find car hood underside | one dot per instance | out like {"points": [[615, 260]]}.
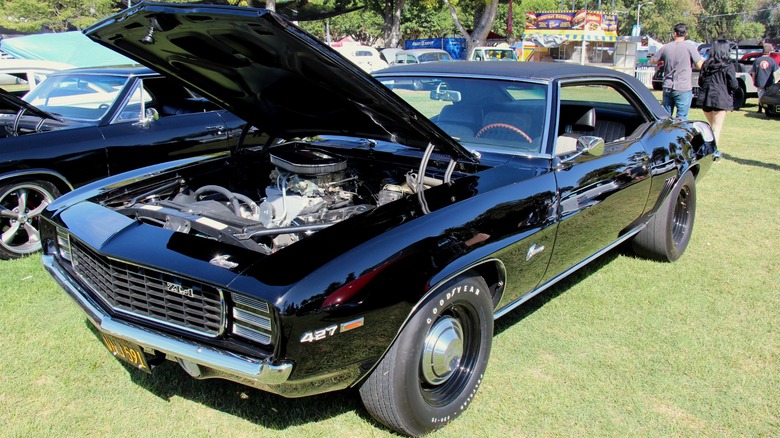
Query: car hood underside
{"points": [[267, 71]]}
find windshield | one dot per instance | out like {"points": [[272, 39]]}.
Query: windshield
{"points": [[77, 96], [503, 116], [499, 54], [434, 56]]}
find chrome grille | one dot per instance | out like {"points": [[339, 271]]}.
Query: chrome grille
{"points": [[147, 293], [252, 319]]}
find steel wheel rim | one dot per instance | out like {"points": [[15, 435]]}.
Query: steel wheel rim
{"points": [[445, 371], [681, 216], [20, 209]]}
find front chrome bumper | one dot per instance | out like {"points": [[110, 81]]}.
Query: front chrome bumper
{"points": [[200, 361]]}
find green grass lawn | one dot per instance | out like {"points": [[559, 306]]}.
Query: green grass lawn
{"points": [[627, 347]]}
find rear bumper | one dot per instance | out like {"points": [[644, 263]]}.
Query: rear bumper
{"points": [[199, 360]]}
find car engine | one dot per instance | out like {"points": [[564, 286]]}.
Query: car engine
{"points": [[308, 189]]}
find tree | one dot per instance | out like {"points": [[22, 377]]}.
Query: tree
{"points": [[363, 25], [33, 16], [390, 11], [421, 19], [483, 15]]}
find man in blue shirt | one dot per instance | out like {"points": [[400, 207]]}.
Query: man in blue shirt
{"points": [[679, 59], [763, 71]]}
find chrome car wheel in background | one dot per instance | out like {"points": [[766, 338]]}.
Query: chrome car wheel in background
{"points": [[20, 207]]}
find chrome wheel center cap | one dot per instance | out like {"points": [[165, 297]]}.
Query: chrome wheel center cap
{"points": [[442, 351]]}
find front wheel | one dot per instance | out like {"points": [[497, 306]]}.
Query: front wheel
{"points": [[21, 204], [433, 370], [669, 231]]}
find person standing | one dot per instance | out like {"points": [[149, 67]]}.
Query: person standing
{"points": [[763, 71], [679, 58], [717, 83]]}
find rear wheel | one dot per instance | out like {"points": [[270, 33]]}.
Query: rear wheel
{"points": [[739, 98], [669, 231], [433, 370], [21, 204]]}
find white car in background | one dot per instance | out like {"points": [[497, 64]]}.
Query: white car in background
{"points": [[421, 56], [364, 57], [18, 76], [492, 54]]}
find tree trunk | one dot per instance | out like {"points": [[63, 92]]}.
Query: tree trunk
{"points": [[391, 29], [483, 22]]}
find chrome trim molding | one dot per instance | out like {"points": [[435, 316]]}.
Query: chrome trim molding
{"points": [[224, 364]]}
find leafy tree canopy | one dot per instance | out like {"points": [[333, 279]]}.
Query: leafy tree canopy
{"points": [[33, 16]]}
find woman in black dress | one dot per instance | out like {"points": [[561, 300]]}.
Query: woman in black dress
{"points": [[717, 82]]}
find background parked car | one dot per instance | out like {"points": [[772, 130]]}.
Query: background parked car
{"points": [[746, 61], [420, 56], [492, 54], [81, 125], [19, 76], [364, 57]]}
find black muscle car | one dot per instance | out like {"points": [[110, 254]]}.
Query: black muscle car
{"points": [[81, 125], [374, 237]]}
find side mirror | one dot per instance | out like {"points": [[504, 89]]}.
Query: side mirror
{"points": [[591, 145], [150, 115], [586, 145]]}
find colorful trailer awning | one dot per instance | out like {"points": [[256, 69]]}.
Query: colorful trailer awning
{"points": [[572, 25]]}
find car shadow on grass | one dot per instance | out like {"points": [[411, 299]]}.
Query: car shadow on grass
{"points": [[275, 412], [537, 302], [271, 411]]}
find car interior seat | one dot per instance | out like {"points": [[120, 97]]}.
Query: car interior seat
{"points": [[575, 121], [459, 120]]}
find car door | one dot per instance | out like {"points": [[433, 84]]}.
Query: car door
{"points": [[602, 193], [159, 121]]}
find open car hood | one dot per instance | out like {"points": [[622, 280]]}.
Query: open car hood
{"points": [[10, 102], [267, 71]]}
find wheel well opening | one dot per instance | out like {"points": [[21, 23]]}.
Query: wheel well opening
{"points": [[493, 273], [61, 186]]}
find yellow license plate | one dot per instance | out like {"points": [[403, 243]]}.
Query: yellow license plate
{"points": [[126, 351]]}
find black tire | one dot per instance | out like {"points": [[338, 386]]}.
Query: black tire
{"points": [[669, 231], [658, 86], [21, 204], [417, 388], [739, 98]]}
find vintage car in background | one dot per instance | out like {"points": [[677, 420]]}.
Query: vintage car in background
{"points": [[373, 238], [421, 56], [81, 125], [364, 57], [19, 76]]}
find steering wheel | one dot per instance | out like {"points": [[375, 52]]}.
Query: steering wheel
{"points": [[512, 128]]}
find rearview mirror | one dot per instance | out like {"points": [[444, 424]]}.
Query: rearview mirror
{"points": [[446, 95]]}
